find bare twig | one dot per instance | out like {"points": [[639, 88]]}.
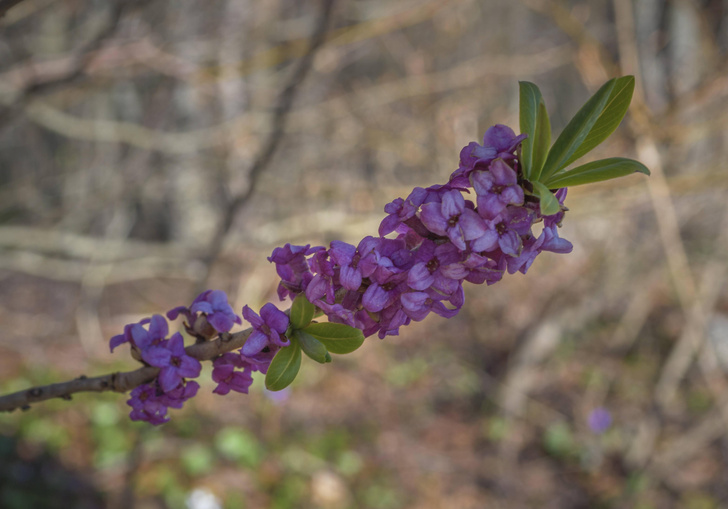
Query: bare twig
{"points": [[82, 58], [6, 5], [280, 117], [118, 382]]}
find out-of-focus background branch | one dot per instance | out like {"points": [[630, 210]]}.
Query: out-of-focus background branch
{"points": [[125, 128]]}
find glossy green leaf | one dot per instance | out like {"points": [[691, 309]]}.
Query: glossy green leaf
{"points": [[302, 312], [534, 121], [597, 171], [610, 118], [543, 141], [284, 367], [576, 131], [337, 337], [528, 102], [549, 203], [312, 347]]}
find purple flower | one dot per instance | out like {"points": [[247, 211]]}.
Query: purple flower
{"points": [[270, 327], [214, 306], [417, 305], [496, 189], [322, 285], [505, 231], [382, 259], [502, 138], [499, 142], [599, 420], [141, 338], [346, 257], [531, 247], [552, 242], [174, 361], [292, 268], [227, 377], [146, 405], [157, 331], [427, 271], [391, 319], [453, 219], [399, 210], [177, 396]]}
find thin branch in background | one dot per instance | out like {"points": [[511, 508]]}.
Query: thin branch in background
{"points": [[82, 58], [6, 5], [280, 119]]}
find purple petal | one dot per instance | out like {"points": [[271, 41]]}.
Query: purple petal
{"points": [[116, 341], [503, 174], [255, 343], [341, 252], [157, 356], [202, 307], [220, 321], [482, 182], [487, 242], [275, 318], [279, 339], [510, 243], [189, 367], [252, 317], [176, 344], [419, 277], [218, 299], [431, 216], [490, 205], [512, 195], [172, 314], [454, 271], [389, 224], [350, 278], [169, 379], [375, 298], [455, 234], [140, 336], [453, 204], [414, 301], [499, 136], [473, 226], [317, 288]]}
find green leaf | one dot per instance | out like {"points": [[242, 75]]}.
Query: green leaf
{"points": [[337, 337], [576, 131], [312, 346], [301, 312], [549, 203], [528, 102], [284, 367], [597, 171], [610, 118], [534, 121], [543, 140]]}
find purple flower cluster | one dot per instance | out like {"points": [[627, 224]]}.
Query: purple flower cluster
{"points": [[428, 245], [209, 314], [440, 240], [150, 401], [233, 371]]}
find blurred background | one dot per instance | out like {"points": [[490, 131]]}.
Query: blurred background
{"points": [[152, 148]]}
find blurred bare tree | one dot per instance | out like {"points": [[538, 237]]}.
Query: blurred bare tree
{"points": [[128, 131]]}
